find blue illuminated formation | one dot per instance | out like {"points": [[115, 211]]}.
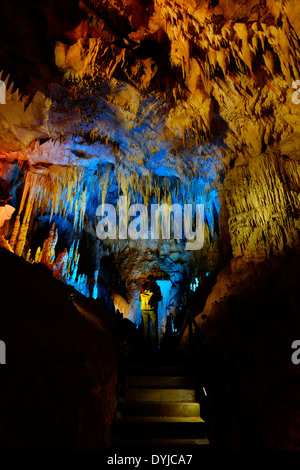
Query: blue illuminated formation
{"points": [[109, 157], [164, 305], [76, 192], [194, 285]]}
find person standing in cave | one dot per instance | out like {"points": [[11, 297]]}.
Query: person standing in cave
{"points": [[150, 295]]}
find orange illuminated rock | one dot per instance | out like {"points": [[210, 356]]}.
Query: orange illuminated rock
{"points": [[6, 212], [48, 252], [60, 265]]}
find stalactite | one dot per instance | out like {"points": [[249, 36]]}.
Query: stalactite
{"points": [[32, 182], [269, 206], [105, 186], [15, 232]]}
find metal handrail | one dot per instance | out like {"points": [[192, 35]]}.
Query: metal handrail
{"points": [[220, 395]]}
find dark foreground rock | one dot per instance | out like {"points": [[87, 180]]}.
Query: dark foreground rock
{"points": [[58, 385], [250, 320]]}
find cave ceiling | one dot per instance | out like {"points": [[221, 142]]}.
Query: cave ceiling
{"points": [[150, 80]]}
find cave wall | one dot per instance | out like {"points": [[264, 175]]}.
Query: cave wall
{"points": [[250, 321], [262, 199]]}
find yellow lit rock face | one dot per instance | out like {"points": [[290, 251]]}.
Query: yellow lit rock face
{"points": [[263, 203], [223, 64], [21, 125], [77, 60]]}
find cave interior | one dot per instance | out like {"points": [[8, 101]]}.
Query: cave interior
{"points": [[110, 110]]}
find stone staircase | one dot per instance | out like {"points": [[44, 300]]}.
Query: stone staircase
{"points": [[157, 405]]}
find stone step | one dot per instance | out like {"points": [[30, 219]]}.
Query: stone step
{"points": [[170, 445], [155, 357], [159, 395], [160, 427], [158, 359], [154, 369], [158, 381], [160, 419], [179, 409], [158, 407]]}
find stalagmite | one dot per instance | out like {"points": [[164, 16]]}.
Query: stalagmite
{"points": [[38, 255], [48, 251], [15, 232], [28, 255], [59, 267], [32, 183], [4, 244]]}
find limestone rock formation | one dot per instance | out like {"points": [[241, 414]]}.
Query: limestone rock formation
{"points": [[48, 251], [6, 212]]}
